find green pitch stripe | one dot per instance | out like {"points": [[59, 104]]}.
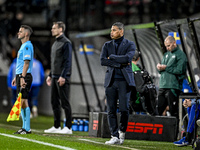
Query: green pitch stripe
{"points": [[107, 31], [39, 142]]}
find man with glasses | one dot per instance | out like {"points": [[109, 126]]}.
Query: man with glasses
{"points": [[59, 78], [172, 70]]}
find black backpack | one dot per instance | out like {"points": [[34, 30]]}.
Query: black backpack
{"points": [[147, 89]]}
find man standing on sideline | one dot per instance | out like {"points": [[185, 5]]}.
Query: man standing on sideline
{"points": [[117, 55], [23, 77], [59, 78], [173, 71]]}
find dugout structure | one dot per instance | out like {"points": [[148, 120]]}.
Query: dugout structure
{"points": [[87, 91]]}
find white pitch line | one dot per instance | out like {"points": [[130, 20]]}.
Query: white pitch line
{"points": [[39, 142], [109, 145]]}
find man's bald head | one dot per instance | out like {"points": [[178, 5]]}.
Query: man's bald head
{"points": [[170, 43], [170, 38]]}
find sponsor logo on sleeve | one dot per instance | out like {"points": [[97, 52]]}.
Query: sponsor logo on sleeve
{"points": [[27, 56]]}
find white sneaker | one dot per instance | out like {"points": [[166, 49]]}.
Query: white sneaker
{"points": [[52, 130], [65, 130], [121, 137], [35, 111], [113, 140]]}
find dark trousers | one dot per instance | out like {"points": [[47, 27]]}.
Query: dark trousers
{"points": [[167, 98], [118, 90], [60, 98]]}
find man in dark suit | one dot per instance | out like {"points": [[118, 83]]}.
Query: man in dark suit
{"points": [[117, 55]]}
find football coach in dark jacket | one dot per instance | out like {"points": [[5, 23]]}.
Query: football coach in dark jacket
{"points": [[117, 55]]}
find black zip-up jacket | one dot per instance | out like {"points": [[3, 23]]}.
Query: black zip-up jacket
{"points": [[61, 57]]}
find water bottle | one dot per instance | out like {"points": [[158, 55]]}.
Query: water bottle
{"points": [[64, 122], [86, 125], [75, 125], [80, 125]]}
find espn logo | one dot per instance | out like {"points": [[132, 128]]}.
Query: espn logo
{"points": [[95, 124], [144, 127]]}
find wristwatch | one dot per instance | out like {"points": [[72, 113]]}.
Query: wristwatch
{"points": [[20, 76]]}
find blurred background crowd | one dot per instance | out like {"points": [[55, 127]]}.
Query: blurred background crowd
{"points": [[84, 15]]}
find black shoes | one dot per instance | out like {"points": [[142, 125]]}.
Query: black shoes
{"points": [[23, 131]]}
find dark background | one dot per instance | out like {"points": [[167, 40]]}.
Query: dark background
{"points": [[79, 16]]}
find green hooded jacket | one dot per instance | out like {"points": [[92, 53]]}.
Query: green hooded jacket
{"points": [[135, 67], [173, 75]]}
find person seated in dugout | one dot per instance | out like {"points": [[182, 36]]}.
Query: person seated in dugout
{"points": [[135, 103], [143, 95], [190, 104]]}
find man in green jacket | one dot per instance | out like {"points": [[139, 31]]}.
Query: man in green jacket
{"points": [[172, 70]]}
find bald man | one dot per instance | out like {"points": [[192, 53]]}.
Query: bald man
{"points": [[172, 70]]}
